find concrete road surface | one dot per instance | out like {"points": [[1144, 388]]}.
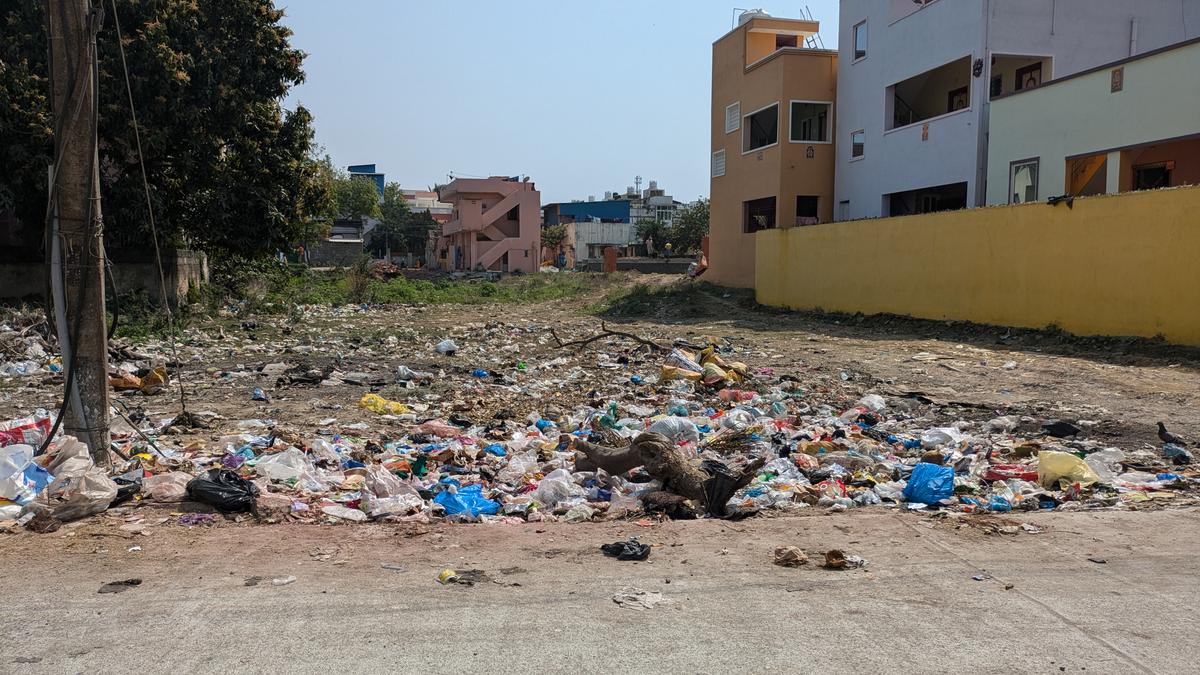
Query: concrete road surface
{"points": [[365, 597]]}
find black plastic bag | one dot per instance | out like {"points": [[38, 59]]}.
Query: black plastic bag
{"points": [[223, 489], [128, 485], [719, 488], [626, 550]]}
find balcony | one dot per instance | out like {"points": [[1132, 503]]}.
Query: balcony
{"points": [[935, 93]]}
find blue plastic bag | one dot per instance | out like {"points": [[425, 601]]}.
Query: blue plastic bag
{"points": [[468, 501], [929, 483], [495, 449]]}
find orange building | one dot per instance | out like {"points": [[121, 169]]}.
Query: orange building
{"points": [[773, 137]]}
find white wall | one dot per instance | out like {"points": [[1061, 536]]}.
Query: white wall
{"points": [[618, 234], [1077, 34], [1160, 100]]}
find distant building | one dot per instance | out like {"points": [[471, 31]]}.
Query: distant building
{"points": [[427, 200], [612, 221], [493, 225]]}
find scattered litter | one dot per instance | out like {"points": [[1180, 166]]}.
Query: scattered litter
{"points": [[635, 598], [790, 556], [626, 550], [836, 559], [1098, 561], [119, 586]]}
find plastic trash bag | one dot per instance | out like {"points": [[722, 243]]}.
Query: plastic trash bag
{"points": [[932, 438], [929, 484], [283, 466], [84, 495], [468, 501], [1106, 463], [1055, 466], [557, 487], [446, 347], [872, 402], [167, 487], [20, 478], [678, 429], [518, 466], [344, 512], [128, 485], [224, 490], [69, 457], [25, 430]]}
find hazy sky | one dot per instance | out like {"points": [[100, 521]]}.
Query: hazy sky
{"points": [[580, 95]]}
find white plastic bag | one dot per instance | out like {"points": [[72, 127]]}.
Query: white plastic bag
{"points": [[84, 495], [283, 466], [932, 438], [558, 487], [167, 487], [677, 429]]}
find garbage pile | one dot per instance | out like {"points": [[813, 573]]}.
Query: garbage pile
{"points": [[683, 430]]}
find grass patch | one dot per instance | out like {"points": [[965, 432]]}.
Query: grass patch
{"points": [[683, 299], [276, 289]]}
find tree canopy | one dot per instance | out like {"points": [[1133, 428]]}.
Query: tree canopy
{"points": [[400, 229], [685, 231], [229, 169]]}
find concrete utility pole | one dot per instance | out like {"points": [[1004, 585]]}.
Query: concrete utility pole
{"points": [[76, 208]]}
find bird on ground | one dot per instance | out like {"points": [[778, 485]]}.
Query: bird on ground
{"points": [[1168, 437], [1060, 429]]}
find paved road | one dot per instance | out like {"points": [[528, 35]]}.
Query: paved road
{"points": [[914, 609]]}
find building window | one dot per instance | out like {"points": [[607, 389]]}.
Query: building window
{"points": [[733, 117], [758, 214], [860, 41], [958, 99], [806, 210], [844, 209], [782, 41], [1029, 77], [1152, 176], [761, 128], [1023, 181], [718, 164], [810, 122], [858, 140]]}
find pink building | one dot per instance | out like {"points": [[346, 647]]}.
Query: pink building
{"points": [[495, 225]]}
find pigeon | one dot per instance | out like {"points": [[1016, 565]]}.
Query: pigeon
{"points": [[1060, 429], [1168, 437]]}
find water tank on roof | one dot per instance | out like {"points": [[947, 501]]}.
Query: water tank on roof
{"points": [[752, 14]]}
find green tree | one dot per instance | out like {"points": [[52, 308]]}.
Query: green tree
{"points": [[388, 234], [229, 169], [416, 231], [690, 226], [656, 230], [356, 197], [554, 235]]}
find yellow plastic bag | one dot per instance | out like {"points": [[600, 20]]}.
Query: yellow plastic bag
{"points": [[1055, 467], [713, 374], [674, 373], [380, 405]]}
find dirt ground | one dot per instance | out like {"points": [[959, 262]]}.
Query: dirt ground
{"points": [[1117, 388], [1095, 591]]}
